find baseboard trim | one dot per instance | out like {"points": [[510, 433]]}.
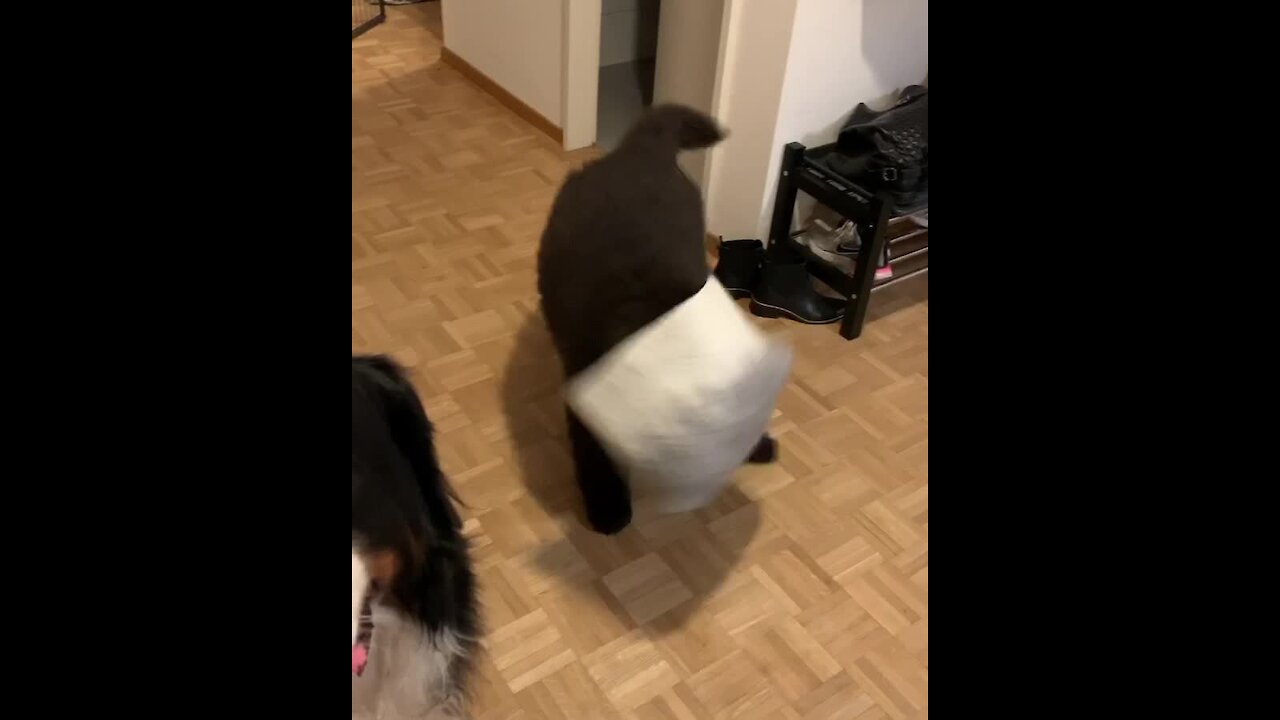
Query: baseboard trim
{"points": [[502, 95]]}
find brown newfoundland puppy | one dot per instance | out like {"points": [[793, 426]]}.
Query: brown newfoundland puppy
{"points": [[624, 245]]}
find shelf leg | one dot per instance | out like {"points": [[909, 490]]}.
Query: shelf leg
{"points": [[864, 274], [784, 203]]}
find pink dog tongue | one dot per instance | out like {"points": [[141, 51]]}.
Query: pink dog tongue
{"points": [[364, 636]]}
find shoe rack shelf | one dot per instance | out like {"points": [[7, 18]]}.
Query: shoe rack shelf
{"points": [[908, 245]]}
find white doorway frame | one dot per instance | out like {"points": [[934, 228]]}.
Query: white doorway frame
{"points": [[580, 72]]}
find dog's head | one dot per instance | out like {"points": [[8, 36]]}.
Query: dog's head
{"points": [[403, 525], [676, 127]]}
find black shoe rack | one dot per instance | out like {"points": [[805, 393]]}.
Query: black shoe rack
{"points": [[876, 223]]}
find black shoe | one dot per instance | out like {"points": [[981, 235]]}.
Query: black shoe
{"points": [[738, 268], [766, 452], [785, 290]]}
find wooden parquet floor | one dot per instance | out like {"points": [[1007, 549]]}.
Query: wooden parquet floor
{"points": [[802, 593]]}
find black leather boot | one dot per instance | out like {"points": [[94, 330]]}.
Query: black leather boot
{"points": [[785, 290], [738, 268]]}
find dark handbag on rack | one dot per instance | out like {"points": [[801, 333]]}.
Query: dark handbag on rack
{"points": [[889, 150]]}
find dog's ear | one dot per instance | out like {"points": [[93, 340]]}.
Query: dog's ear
{"points": [[411, 432]]}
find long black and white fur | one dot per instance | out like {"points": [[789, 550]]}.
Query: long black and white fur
{"points": [[408, 554]]}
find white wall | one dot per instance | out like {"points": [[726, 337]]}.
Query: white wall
{"points": [[628, 30], [580, 72], [883, 46], [517, 43], [789, 70], [687, 55], [754, 53]]}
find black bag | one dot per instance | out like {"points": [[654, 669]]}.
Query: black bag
{"points": [[889, 150]]}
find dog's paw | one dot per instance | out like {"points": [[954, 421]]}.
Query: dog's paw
{"points": [[609, 521], [766, 451]]}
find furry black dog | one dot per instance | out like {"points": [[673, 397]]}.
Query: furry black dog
{"points": [[410, 570], [623, 245]]}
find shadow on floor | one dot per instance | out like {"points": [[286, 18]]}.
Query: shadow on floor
{"points": [[662, 568]]}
